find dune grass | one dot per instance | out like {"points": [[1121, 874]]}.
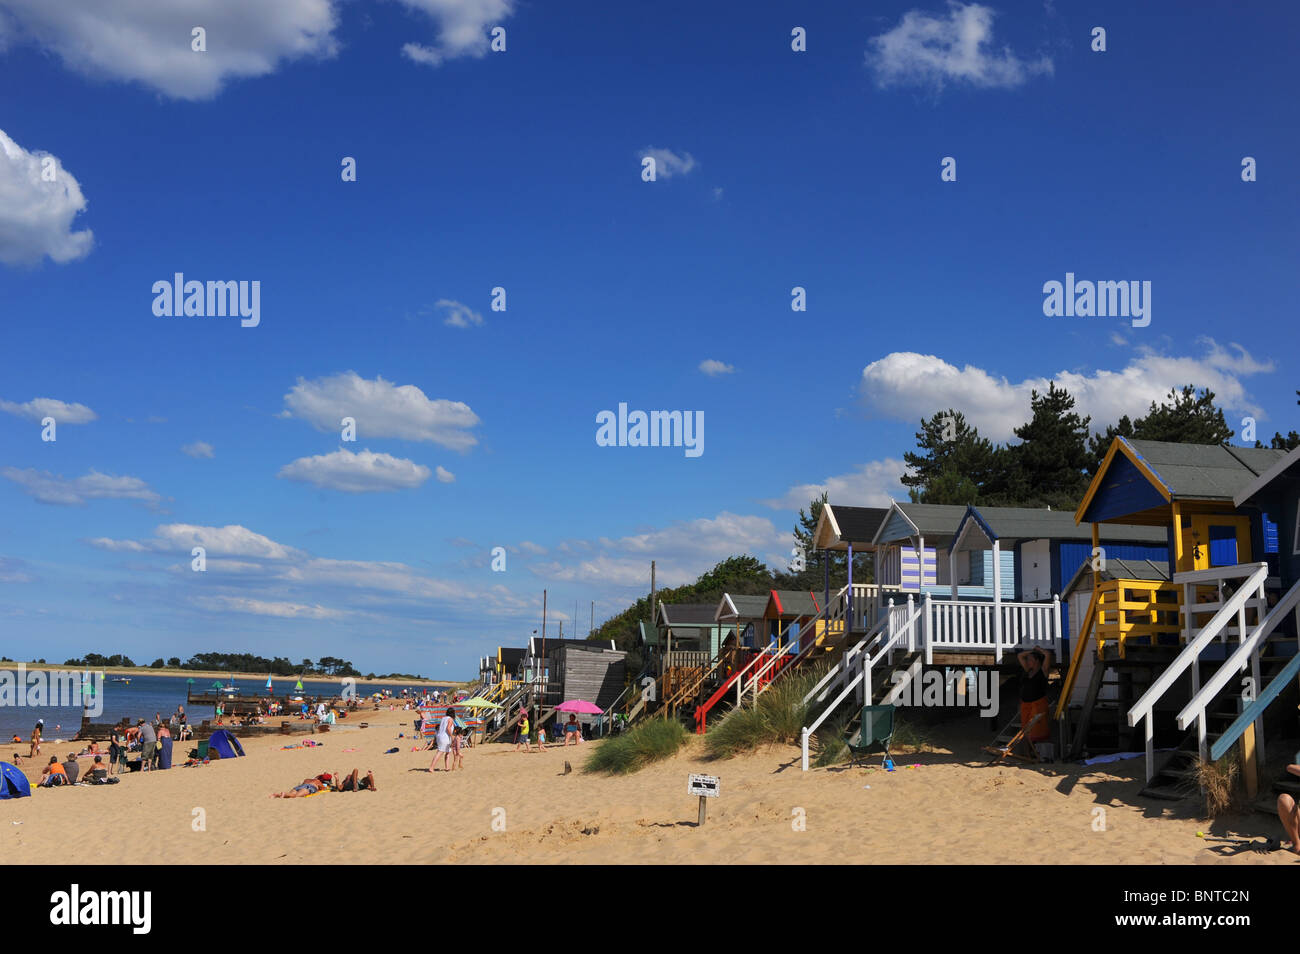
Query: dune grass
{"points": [[1218, 782], [778, 717], [642, 745]]}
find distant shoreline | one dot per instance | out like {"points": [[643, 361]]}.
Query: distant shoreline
{"points": [[226, 674]]}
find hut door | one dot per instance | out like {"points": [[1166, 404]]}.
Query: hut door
{"points": [[1214, 540]]}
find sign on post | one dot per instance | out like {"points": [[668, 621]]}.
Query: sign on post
{"points": [[705, 786]]}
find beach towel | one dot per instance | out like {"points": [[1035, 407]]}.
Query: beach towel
{"points": [[165, 753]]}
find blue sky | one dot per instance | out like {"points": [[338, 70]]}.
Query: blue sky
{"points": [[522, 169]]}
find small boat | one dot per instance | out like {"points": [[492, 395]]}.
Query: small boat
{"points": [[123, 679]]}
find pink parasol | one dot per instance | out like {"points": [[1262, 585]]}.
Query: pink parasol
{"points": [[579, 705]]}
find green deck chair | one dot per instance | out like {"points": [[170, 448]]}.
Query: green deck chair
{"points": [[873, 735]]}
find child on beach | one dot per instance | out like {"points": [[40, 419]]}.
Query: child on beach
{"points": [[457, 759], [521, 734]]}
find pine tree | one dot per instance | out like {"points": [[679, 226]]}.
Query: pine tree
{"points": [[954, 465], [1047, 466]]}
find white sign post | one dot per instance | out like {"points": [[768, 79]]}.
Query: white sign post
{"points": [[705, 786]]}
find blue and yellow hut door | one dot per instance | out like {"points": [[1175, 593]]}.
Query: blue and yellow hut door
{"points": [[1211, 540]]}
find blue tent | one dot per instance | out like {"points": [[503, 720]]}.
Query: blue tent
{"points": [[13, 783], [225, 744]]}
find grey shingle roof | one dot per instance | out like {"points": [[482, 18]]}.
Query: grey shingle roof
{"points": [[1121, 570], [1206, 471], [1027, 523], [688, 614], [748, 607], [934, 519], [795, 603]]}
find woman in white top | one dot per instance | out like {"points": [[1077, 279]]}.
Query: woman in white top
{"points": [[444, 740]]}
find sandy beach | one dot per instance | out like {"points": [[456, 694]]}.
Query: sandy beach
{"points": [[943, 806]]}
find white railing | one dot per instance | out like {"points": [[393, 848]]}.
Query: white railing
{"points": [[1235, 606], [756, 680], [1247, 652], [840, 670], [956, 625], [901, 633]]}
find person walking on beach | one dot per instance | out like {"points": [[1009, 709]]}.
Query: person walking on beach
{"points": [[36, 739], [443, 739]]}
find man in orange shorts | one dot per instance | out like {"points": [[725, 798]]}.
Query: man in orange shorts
{"points": [[1033, 695]]}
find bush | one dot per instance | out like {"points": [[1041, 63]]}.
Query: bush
{"points": [[649, 742], [1218, 782]]}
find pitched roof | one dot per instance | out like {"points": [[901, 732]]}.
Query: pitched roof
{"points": [[1206, 471], [1028, 523], [737, 606], [840, 525], [1288, 466], [792, 603], [1120, 570], [935, 522], [688, 614]]}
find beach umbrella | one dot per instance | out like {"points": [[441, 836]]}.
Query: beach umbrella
{"points": [[478, 702], [579, 705]]}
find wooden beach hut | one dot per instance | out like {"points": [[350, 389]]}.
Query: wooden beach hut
{"points": [[1173, 649]]}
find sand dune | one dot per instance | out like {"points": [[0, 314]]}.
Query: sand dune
{"points": [[949, 808]]}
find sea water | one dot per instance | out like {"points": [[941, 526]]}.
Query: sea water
{"points": [[146, 695]]}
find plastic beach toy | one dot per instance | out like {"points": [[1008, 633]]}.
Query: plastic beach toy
{"points": [[889, 765]]}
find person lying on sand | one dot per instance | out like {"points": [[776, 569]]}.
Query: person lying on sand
{"points": [[308, 786], [353, 783], [1289, 812]]}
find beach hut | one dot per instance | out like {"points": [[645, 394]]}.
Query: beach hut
{"points": [[1156, 637], [851, 531], [746, 616], [582, 669]]}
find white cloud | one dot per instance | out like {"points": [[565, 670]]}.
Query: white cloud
{"points": [[911, 386], [150, 43], [462, 28], [381, 409], [55, 489], [445, 476], [669, 163], [278, 608], [35, 214], [713, 368], [458, 315], [357, 473], [38, 409], [874, 484], [199, 449], [930, 51]]}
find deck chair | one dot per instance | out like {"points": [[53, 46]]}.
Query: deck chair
{"points": [[1001, 752], [873, 736]]}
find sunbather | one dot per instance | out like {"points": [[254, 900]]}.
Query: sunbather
{"points": [[353, 783], [308, 786]]}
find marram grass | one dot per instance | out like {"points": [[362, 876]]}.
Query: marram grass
{"points": [[778, 717], [642, 745]]}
